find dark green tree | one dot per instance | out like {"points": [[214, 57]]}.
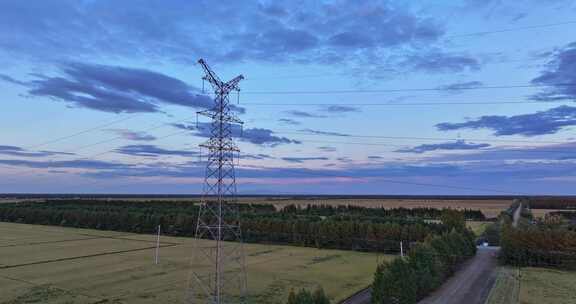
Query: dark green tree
{"points": [[453, 219], [320, 297]]}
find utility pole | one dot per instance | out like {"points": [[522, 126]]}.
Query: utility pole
{"points": [[219, 274], [157, 252]]}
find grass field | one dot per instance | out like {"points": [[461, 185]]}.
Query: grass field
{"points": [[547, 286], [477, 227], [45, 264], [506, 288], [533, 286]]}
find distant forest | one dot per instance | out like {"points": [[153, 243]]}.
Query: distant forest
{"points": [[336, 227], [553, 203]]}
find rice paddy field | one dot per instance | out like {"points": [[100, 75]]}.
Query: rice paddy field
{"points": [[56, 265]]}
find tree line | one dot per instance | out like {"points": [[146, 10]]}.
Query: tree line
{"points": [[304, 296], [420, 213], [541, 243], [406, 280], [553, 203], [348, 229]]}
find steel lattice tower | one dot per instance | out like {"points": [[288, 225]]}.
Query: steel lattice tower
{"points": [[219, 274]]}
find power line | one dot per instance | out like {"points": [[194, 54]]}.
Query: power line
{"points": [[363, 91], [455, 150], [513, 29], [418, 138], [80, 133], [107, 141], [122, 137], [93, 156], [405, 104]]}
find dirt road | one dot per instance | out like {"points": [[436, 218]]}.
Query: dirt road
{"points": [[470, 285], [516, 216], [362, 297]]}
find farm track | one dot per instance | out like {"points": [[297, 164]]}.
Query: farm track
{"points": [[470, 285], [50, 242], [516, 217], [364, 296], [89, 237], [83, 257]]}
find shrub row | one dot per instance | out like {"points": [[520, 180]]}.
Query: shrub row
{"points": [[406, 280]]}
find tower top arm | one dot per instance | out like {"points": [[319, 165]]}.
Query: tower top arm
{"points": [[210, 76], [218, 84]]}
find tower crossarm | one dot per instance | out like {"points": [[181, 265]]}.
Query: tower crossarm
{"points": [[215, 145], [232, 85], [225, 118]]}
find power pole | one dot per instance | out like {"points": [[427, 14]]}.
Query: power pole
{"points": [[157, 251], [219, 274]]}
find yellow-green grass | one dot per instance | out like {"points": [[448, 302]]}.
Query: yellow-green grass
{"points": [[533, 286], [477, 227], [506, 287], [45, 264], [547, 286]]}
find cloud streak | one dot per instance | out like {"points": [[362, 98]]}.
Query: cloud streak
{"points": [[457, 145], [303, 159], [153, 151], [340, 109], [460, 86], [133, 135], [116, 89], [540, 123], [21, 152], [327, 133]]}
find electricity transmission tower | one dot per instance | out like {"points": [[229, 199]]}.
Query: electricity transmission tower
{"points": [[219, 274]]}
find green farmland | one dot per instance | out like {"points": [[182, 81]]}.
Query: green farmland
{"points": [[47, 264]]}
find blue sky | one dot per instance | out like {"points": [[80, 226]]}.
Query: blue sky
{"points": [[340, 97]]}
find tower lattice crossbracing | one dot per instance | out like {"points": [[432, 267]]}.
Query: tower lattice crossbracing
{"points": [[218, 273]]}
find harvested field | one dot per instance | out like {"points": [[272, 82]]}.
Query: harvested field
{"points": [[490, 208], [541, 213], [45, 264]]}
